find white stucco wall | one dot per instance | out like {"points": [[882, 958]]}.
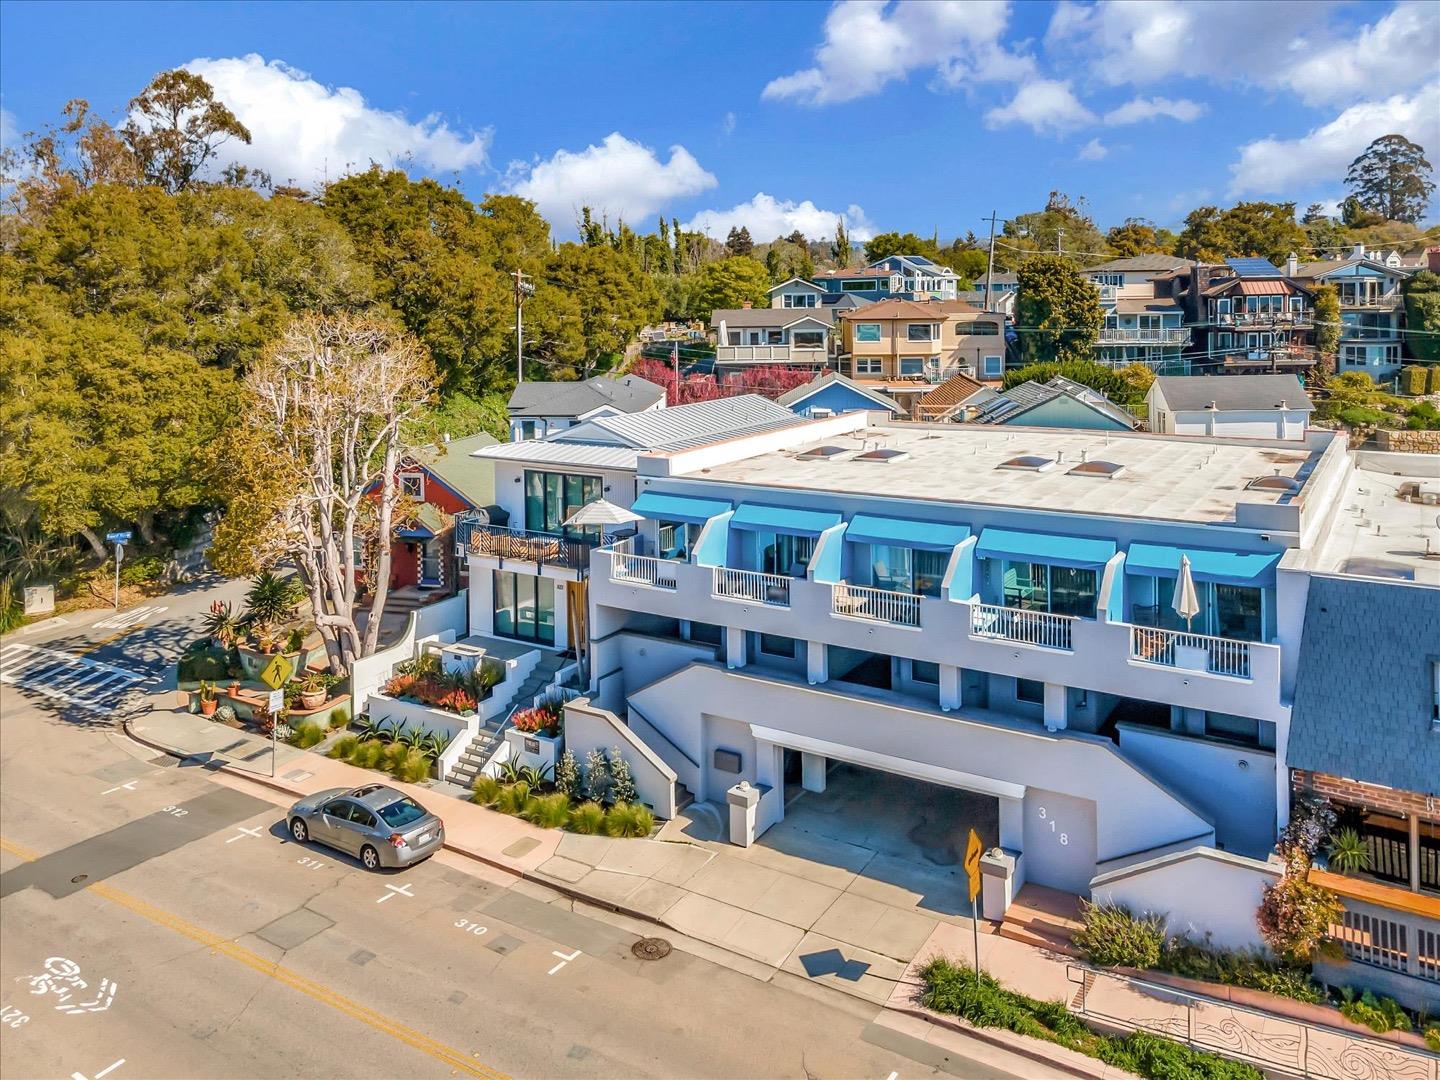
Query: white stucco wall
{"points": [[1133, 811], [1235, 785], [1237, 424], [588, 728], [446, 620], [1200, 891]]}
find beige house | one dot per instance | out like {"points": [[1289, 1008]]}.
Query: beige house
{"points": [[909, 346]]}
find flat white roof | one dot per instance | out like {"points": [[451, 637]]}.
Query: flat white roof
{"points": [[1167, 477], [1376, 533]]}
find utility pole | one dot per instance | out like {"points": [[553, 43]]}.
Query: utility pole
{"points": [[675, 360], [523, 288], [990, 265], [1059, 237]]}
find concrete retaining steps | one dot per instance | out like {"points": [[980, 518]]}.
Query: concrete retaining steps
{"points": [[482, 747], [1045, 918]]}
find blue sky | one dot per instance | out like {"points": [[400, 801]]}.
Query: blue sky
{"points": [[777, 116]]}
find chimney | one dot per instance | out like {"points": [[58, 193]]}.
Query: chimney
{"points": [[1292, 264], [1358, 252]]}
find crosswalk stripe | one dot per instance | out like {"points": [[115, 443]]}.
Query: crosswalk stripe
{"points": [[76, 680], [124, 619]]}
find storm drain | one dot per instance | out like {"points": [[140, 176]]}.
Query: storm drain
{"points": [[651, 948]]}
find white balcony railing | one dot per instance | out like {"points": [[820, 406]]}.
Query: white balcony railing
{"points": [[773, 589], [1133, 336], [642, 570], [1027, 627], [1222, 656], [770, 354], [881, 605]]}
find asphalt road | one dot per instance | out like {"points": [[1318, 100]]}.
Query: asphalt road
{"points": [[155, 921]]}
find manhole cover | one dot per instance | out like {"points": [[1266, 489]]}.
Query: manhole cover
{"points": [[78, 878], [651, 948]]}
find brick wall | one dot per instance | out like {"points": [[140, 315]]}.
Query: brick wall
{"points": [[1354, 792], [1413, 442]]}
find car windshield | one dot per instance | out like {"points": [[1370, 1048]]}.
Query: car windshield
{"points": [[402, 813]]}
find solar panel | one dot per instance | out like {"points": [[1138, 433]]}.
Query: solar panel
{"points": [[1250, 267]]}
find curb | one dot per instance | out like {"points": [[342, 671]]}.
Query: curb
{"points": [[1019, 1048], [522, 874]]}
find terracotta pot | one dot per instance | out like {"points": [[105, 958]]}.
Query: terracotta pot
{"points": [[312, 701], [207, 708]]}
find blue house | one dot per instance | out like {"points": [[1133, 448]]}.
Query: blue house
{"points": [[832, 393], [1059, 403], [904, 277]]}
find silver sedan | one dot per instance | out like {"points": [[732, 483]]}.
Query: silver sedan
{"points": [[377, 824]]}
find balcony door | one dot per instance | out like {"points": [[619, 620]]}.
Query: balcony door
{"points": [[1060, 590], [524, 607], [784, 553], [550, 499]]}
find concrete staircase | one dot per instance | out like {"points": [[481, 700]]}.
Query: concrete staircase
{"points": [[683, 796], [482, 747], [404, 601], [1044, 918]]}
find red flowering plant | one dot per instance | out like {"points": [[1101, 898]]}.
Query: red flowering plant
{"points": [[540, 719]]}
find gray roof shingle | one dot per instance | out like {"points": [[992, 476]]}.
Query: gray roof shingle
{"points": [[1232, 392], [629, 393], [1364, 687]]}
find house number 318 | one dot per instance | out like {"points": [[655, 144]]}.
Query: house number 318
{"points": [[1064, 838]]}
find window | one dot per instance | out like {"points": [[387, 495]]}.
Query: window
{"points": [[362, 817], [867, 331], [924, 671], [868, 365], [799, 299], [412, 485], [921, 332], [1031, 690], [912, 365], [1061, 590], [339, 809], [774, 337], [993, 367], [1108, 279], [733, 337], [550, 498], [524, 607], [808, 339], [527, 430], [775, 645], [405, 812], [977, 329], [708, 633], [857, 286], [676, 539], [784, 553], [1435, 708], [1234, 728]]}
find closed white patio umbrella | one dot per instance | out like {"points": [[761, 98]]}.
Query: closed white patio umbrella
{"points": [[602, 512], [1186, 602]]}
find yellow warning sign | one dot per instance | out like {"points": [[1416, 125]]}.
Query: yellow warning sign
{"points": [[278, 671], [972, 863]]}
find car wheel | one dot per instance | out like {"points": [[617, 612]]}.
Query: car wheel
{"points": [[370, 858], [299, 831]]}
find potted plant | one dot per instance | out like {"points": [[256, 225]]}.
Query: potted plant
{"points": [[207, 698], [313, 691], [222, 624], [1348, 852]]}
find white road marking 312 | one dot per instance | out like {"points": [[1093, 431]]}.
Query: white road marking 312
{"points": [[99, 1075], [75, 680]]}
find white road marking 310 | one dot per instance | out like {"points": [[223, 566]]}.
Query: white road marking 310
{"points": [[75, 680]]}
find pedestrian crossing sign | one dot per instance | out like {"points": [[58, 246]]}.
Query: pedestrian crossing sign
{"points": [[277, 672]]}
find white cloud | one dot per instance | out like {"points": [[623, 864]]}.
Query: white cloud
{"points": [[1293, 45], [304, 130], [1278, 166], [1045, 105], [729, 123], [767, 217], [9, 130], [1140, 109], [869, 43], [1094, 150], [619, 178]]}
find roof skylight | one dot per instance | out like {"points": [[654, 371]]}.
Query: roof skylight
{"points": [[821, 453], [882, 454], [1105, 470], [1028, 463], [1285, 484]]}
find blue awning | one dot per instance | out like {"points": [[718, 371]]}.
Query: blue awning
{"points": [[416, 532], [784, 519], [657, 506], [1206, 564], [902, 532], [1080, 552]]}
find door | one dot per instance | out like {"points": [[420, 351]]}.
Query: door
{"points": [[525, 607], [358, 829], [328, 826], [430, 564]]}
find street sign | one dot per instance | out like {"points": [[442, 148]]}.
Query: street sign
{"points": [[118, 537], [277, 672], [972, 863], [276, 702]]}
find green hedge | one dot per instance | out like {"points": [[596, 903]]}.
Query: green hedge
{"points": [[954, 989], [1412, 380]]}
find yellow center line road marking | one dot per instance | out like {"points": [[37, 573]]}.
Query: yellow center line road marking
{"points": [[447, 1055]]}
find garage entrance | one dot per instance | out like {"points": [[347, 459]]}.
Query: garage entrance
{"points": [[908, 834]]}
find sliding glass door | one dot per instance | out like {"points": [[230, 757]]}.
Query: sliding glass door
{"points": [[784, 553], [525, 607], [908, 570], [550, 499], [1061, 590]]}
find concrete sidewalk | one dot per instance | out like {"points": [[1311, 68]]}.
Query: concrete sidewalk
{"points": [[810, 909]]}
